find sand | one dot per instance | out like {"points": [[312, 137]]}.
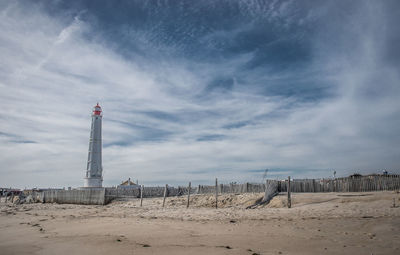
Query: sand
{"points": [[317, 223]]}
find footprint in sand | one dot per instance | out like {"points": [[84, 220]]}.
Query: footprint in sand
{"points": [[37, 225]]}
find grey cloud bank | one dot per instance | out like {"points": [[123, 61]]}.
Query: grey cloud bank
{"points": [[222, 90]]}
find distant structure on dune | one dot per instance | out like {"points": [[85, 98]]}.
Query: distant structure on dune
{"points": [[94, 170], [128, 184]]}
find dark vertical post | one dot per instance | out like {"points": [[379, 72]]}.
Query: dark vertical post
{"points": [[289, 199], [190, 187], [216, 193], [165, 194], [313, 184], [141, 195]]}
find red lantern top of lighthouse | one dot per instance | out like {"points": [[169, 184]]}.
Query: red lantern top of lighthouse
{"points": [[97, 109]]}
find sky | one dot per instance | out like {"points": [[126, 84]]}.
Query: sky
{"points": [[198, 90]]}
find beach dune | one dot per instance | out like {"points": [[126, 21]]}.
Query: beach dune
{"points": [[317, 223]]}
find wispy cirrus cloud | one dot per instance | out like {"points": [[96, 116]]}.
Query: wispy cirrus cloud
{"points": [[196, 92]]}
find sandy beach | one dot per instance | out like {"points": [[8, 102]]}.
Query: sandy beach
{"points": [[317, 223]]}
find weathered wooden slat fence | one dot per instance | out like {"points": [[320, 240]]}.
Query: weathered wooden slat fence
{"points": [[105, 195], [148, 192], [347, 184]]}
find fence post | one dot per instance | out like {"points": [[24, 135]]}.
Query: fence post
{"points": [[313, 185], [289, 199], [141, 195], [216, 193], [165, 194], [190, 186]]}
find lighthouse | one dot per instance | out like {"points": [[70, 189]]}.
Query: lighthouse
{"points": [[94, 170]]}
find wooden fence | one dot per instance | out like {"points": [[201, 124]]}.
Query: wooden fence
{"points": [[347, 184], [233, 188], [148, 192]]}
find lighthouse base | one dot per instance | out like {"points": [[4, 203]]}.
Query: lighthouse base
{"points": [[93, 182]]}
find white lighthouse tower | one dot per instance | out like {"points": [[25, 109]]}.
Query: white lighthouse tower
{"points": [[94, 170]]}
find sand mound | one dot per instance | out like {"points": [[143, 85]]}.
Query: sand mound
{"points": [[225, 200], [279, 201], [204, 201], [242, 201]]}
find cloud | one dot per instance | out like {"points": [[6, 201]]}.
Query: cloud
{"points": [[297, 89]]}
